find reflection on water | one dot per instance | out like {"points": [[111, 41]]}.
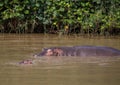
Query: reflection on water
{"points": [[55, 70]]}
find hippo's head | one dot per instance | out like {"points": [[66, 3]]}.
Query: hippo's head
{"points": [[51, 52]]}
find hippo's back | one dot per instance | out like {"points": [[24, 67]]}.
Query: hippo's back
{"points": [[96, 51]]}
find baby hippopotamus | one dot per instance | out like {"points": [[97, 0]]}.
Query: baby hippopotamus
{"points": [[26, 62], [81, 51]]}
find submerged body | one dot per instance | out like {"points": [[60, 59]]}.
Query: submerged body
{"points": [[82, 51]]}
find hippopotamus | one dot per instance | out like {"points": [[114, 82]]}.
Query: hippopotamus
{"points": [[81, 51], [29, 61]]}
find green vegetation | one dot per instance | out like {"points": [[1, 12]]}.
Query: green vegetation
{"points": [[100, 17]]}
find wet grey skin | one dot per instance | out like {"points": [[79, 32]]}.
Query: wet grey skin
{"points": [[80, 51]]}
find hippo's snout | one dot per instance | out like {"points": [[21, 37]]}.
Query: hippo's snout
{"points": [[37, 55], [40, 54]]}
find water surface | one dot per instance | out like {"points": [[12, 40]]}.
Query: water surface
{"points": [[56, 70]]}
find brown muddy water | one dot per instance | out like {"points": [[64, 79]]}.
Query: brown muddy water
{"points": [[56, 71]]}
